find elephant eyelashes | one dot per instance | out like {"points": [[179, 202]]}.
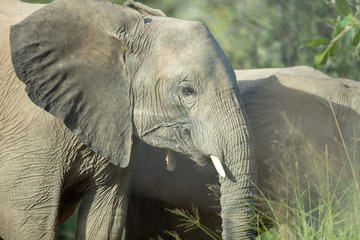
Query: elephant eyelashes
{"points": [[188, 94], [188, 91]]}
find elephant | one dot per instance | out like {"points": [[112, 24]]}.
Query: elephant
{"points": [[295, 108], [81, 83]]}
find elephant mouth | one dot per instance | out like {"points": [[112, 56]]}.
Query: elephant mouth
{"points": [[183, 136], [205, 160], [201, 160]]}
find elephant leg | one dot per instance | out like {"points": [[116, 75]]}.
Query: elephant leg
{"points": [[102, 212]]}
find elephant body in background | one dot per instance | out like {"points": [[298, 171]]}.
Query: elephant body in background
{"points": [[297, 114], [81, 82]]}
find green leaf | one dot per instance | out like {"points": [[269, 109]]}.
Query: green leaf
{"points": [[343, 7], [321, 57], [316, 42], [356, 39], [347, 22], [336, 30], [333, 49]]}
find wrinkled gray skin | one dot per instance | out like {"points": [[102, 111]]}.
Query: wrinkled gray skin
{"points": [[80, 83], [285, 106]]}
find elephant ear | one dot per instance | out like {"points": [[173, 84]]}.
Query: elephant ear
{"points": [[143, 9], [72, 56]]}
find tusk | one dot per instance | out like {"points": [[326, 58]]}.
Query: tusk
{"points": [[170, 160], [217, 163]]}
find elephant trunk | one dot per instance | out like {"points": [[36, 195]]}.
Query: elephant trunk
{"points": [[238, 189], [237, 196]]}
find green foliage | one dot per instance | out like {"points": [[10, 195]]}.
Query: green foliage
{"points": [[346, 29], [258, 34], [343, 8]]}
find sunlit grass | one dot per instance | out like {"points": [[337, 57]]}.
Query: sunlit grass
{"points": [[191, 221], [315, 195], [326, 208]]}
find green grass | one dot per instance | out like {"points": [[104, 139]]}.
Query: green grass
{"points": [[321, 195], [190, 221], [327, 208], [317, 193]]}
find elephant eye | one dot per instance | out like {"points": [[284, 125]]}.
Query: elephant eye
{"points": [[187, 91]]}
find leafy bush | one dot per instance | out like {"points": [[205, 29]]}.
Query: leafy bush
{"points": [[346, 28]]}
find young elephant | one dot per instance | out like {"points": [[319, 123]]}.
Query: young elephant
{"points": [[297, 115], [80, 83]]}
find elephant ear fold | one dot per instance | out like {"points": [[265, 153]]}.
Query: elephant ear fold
{"points": [[71, 56], [143, 9]]}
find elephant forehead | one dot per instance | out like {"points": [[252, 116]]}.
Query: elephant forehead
{"points": [[182, 37], [198, 69], [187, 48]]}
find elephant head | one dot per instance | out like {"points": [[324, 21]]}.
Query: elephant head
{"points": [[114, 76]]}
